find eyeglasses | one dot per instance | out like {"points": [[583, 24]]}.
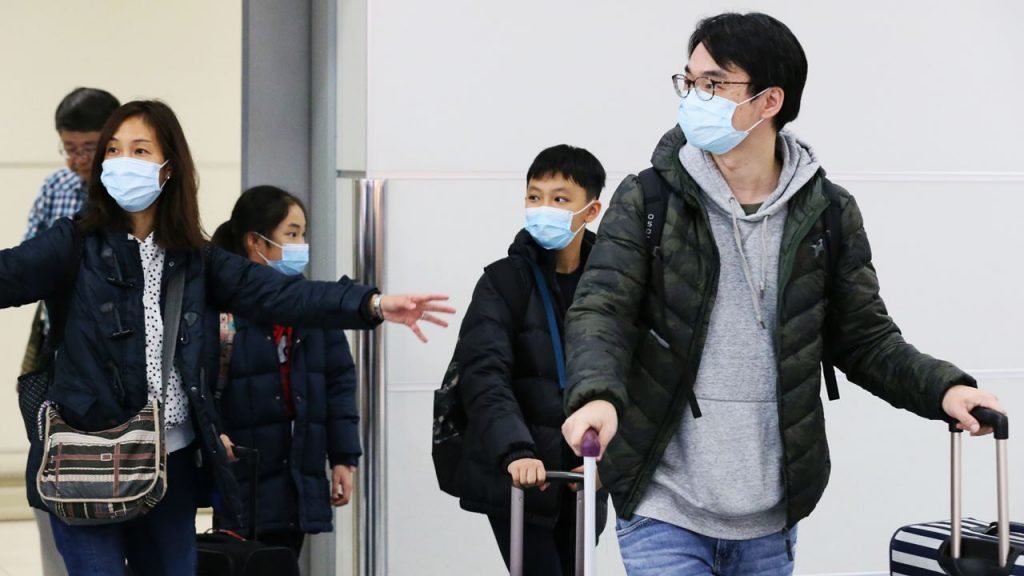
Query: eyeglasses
{"points": [[87, 151], [705, 86]]}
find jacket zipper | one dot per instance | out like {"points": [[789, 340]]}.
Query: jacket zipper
{"points": [[784, 274]]}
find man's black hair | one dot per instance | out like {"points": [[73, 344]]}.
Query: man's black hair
{"points": [[764, 48], [85, 110], [571, 163]]}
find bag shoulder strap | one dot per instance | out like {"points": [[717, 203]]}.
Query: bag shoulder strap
{"points": [[172, 321], [833, 239], [549, 310], [655, 205]]}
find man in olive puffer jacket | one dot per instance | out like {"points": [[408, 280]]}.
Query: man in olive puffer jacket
{"points": [[705, 355]]}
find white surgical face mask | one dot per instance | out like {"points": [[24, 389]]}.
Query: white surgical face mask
{"points": [[552, 227], [707, 124], [133, 183], [294, 257]]}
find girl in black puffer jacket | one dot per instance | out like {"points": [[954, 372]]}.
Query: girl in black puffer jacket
{"points": [[508, 376]]}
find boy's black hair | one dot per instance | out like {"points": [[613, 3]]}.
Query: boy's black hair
{"points": [[571, 163], [764, 48], [85, 110]]}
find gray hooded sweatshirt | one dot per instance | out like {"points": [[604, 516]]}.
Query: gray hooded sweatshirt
{"points": [[721, 475]]}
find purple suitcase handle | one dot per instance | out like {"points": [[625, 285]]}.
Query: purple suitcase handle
{"points": [[590, 447]]}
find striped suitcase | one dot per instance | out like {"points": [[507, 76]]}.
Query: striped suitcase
{"points": [[914, 549], [945, 547]]}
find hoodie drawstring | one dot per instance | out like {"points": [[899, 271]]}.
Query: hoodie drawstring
{"points": [[756, 292], [764, 254]]}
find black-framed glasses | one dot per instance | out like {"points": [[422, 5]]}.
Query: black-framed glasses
{"points": [[705, 86], [87, 151]]}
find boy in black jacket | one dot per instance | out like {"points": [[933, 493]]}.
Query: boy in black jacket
{"points": [[512, 369]]}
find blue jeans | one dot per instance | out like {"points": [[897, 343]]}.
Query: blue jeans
{"points": [[653, 548], [160, 543]]}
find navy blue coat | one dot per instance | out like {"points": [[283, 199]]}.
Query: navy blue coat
{"points": [[100, 370], [294, 491]]}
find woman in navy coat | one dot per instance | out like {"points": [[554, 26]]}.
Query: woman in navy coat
{"points": [[103, 278]]}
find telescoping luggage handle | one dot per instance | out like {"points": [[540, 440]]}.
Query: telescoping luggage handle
{"points": [[251, 457], [1000, 425], [586, 515]]}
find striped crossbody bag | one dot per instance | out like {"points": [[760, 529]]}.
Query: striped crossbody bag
{"points": [[117, 474]]}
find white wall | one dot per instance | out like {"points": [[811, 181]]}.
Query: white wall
{"points": [[910, 105], [187, 53]]}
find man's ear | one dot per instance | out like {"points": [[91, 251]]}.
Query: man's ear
{"points": [[773, 101]]}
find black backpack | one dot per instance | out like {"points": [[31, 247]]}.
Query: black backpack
{"points": [[449, 422], [656, 193]]}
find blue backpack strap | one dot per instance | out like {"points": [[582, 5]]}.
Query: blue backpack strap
{"points": [[549, 309]]}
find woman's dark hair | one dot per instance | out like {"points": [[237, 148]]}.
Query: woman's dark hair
{"points": [[259, 209], [177, 225], [764, 48], [85, 110]]}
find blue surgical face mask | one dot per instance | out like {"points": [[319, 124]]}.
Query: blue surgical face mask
{"points": [[552, 227], [707, 124], [134, 184], [294, 257]]}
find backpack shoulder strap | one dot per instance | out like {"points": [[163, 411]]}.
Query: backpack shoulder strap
{"points": [[655, 205], [833, 226], [833, 238], [656, 194]]}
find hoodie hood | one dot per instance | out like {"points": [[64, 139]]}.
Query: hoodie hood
{"points": [[799, 165]]}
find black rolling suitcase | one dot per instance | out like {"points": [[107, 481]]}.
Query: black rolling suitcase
{"points": [[225, 553], [964, 546]]}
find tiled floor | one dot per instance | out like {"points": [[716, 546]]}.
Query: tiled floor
{"points": [[19, 546], [19, 552]]}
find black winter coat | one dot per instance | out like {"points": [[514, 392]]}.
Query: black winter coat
{"points": [[509, 388], [100, 371], [294, 491]]}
